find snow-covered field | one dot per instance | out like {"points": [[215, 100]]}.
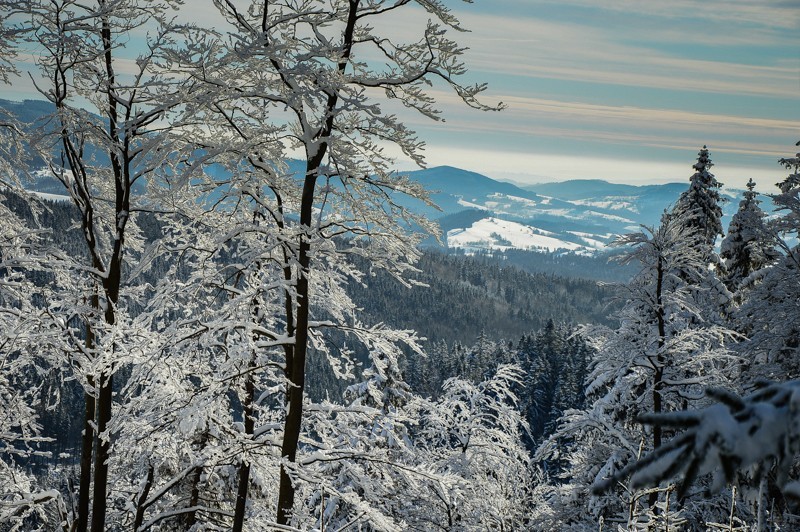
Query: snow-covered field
{"points": [[51, 197], [493, 233]]}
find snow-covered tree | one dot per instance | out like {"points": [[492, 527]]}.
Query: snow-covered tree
{"points": [[661, 355], [749, 245], [24, 371], [361, 470], [788, 200], [753, 436], [25, 368], [473, 435], [8, 51], [769, 315], [101, 143], [699, 209], [699, 206], [293, 79]]}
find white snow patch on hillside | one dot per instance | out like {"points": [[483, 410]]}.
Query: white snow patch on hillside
{"points": [[540, 231], [492, 233], [509, 201], [51, 197], [465, 203], [590, 239], [566, 213], [610, 217], [43, 195], [610, 203]]}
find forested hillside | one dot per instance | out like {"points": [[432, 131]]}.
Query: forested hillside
{"points": [[458, 292]]}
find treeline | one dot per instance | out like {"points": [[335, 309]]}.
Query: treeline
{"points": [[554, 360], [457, 292], [599, 267]]}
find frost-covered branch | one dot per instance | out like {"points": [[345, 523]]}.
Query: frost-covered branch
{"points": [[735, 435]]}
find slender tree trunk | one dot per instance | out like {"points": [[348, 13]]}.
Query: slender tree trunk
{"points": [[104, 400], [658, 376], [244, 466], [657, 405], [105, 397], [194, 498], [87, 441], [87, 438], [140, 506], [294, 418]]}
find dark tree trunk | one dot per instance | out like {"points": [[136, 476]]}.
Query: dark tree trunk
{"points": [[87, 438], [658, 375], [194, 498], [296, 367], [244, 466], [87, 441], [102, 455], [294, 418], [140, 503]]}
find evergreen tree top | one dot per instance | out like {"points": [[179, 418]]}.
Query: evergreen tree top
{"points": [[703, 160], [789, 197], [699, 205], [702, 177], [748, 246], [749, 197]]}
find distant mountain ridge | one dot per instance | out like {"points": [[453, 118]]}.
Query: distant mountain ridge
{"points": [[478, 213], [583, 215]]}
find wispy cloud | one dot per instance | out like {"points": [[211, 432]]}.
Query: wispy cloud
{"points": [[585, 53], [767, 13], [532, 120], [628, 115]]}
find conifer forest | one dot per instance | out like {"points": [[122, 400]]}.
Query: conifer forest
{"points": [[226, 314]]}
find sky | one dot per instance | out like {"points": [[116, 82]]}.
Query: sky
{"points": [[622, 90], [627, 91]]}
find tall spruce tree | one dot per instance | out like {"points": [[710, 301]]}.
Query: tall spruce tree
{"points": [[699, 206], [698, 216], [770, 315], [788, 201], [748, 246]]}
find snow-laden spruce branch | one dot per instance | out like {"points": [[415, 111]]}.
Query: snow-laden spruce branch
{"points": [[736, 435]]}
